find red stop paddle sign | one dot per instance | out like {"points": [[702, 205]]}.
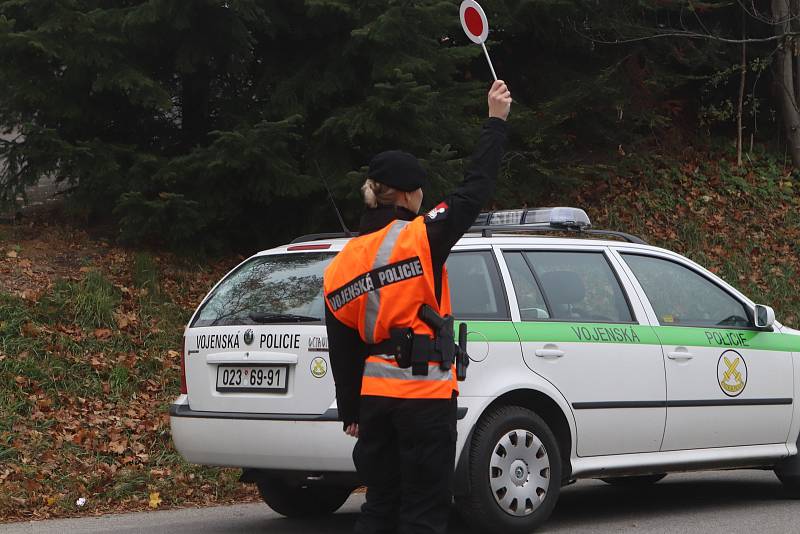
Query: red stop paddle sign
{"points": [[474, 21], [476, 26]]}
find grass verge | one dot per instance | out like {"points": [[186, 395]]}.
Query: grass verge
{"points": [[86, 375]]}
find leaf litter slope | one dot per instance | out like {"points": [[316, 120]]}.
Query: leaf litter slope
{"points": [[89, 361]]}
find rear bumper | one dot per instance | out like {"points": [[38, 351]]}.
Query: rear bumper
{"points": [[261, 441], [183, 410], [332, 414], [277, 442]]}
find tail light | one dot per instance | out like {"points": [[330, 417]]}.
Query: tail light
{"points": [[184, 390]]}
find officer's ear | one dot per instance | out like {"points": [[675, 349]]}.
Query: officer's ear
{"points": [[404, 199], [413, 199]]}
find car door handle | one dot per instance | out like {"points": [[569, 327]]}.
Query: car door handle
{"points": [[549, 353], [680, 355]]}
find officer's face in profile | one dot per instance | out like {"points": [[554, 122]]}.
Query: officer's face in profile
{"points": [[414, 200]]}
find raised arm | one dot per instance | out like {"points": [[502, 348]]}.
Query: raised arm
{"points": [[448, 221]]}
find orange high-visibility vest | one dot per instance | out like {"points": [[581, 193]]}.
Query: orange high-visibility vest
{"points": [[378, 282]]}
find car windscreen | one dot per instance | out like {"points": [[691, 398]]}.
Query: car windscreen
{"points": [[279, 288]]}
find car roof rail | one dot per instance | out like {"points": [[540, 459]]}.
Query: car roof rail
{"points": [[317, 237], [488, 231], [522, 221]]}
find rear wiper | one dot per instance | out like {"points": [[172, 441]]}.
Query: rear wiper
{"points": [[261, 317]]}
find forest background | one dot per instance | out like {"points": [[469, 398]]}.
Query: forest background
{"points": [[210, 125], [185, 136]]}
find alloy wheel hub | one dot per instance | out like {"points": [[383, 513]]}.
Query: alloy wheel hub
{"points": [[519, 472]]}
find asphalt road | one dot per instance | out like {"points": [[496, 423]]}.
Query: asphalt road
{"points": [[716, 502]]}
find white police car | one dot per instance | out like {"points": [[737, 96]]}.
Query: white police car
{"points": [[591, 358]]}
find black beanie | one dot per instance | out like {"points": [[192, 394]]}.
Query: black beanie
{"points": [[397, 169]]}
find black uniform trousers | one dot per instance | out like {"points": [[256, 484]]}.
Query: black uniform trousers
{"points": [[405, 455]]}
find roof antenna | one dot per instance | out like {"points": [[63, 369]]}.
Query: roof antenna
{"points": [[347, 231]]}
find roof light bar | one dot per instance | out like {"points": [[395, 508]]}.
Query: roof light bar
{"points": [[570, 218], [506, 217], [560, 217]]}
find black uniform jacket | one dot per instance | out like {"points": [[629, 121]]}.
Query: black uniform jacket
{"points": [[446, 223]]}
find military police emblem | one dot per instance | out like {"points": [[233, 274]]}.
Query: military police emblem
{"points": [[732, 373], [319, 367]]}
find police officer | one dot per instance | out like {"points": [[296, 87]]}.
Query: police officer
{"points": [[404, 417]]}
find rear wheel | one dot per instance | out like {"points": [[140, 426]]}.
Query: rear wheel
{"points": [[301, 501], [514, 470], [641, 480]]}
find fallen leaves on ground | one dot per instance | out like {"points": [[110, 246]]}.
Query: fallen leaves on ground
{"points": [[84, 413]]}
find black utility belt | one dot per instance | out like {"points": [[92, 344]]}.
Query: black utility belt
{"points": [[413, 350], [416, 350]]}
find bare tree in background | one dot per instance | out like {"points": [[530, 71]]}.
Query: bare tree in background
{"points": [[787, 72], [742, 79], [783, 18]]}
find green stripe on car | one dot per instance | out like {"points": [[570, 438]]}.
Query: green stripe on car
{"points": [[543, 331], [587, 333], [496, 331], [499, 331], [718, 337]]}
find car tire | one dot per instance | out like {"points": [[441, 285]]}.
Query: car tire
{"points": [[791, 484], [635, 481], [513, 456], [301, 501]]}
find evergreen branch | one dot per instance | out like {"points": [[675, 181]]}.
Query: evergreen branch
{"points": [[12, 141], [12, 177]]}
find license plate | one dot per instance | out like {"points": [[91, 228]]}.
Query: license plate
{"points": [[271, 378]]}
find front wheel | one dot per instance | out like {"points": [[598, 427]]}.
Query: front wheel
{"points": [[514, 470], [301, 501]]}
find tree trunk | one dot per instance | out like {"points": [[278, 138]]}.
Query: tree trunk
{"points": [[785, 78], [742, 79]]}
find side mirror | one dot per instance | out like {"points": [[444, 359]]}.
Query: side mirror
{"points": [[765, 317]]}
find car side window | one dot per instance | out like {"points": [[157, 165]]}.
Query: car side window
{"points": [[683, 297], [580, 286], [529, 297], [475, 290]]}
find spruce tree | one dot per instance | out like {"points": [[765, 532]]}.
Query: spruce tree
{"points": [[209, 123]]}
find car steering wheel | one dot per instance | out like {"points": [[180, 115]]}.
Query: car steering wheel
{"points": [[733, 320]]}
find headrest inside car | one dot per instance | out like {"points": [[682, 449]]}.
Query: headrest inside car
{"points": [[563, 287]]}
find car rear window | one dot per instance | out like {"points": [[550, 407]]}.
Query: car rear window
{"points": [[475, 287], [271, 289]]}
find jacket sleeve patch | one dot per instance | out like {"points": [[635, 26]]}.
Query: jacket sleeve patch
{"points": [[439, 213]]}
